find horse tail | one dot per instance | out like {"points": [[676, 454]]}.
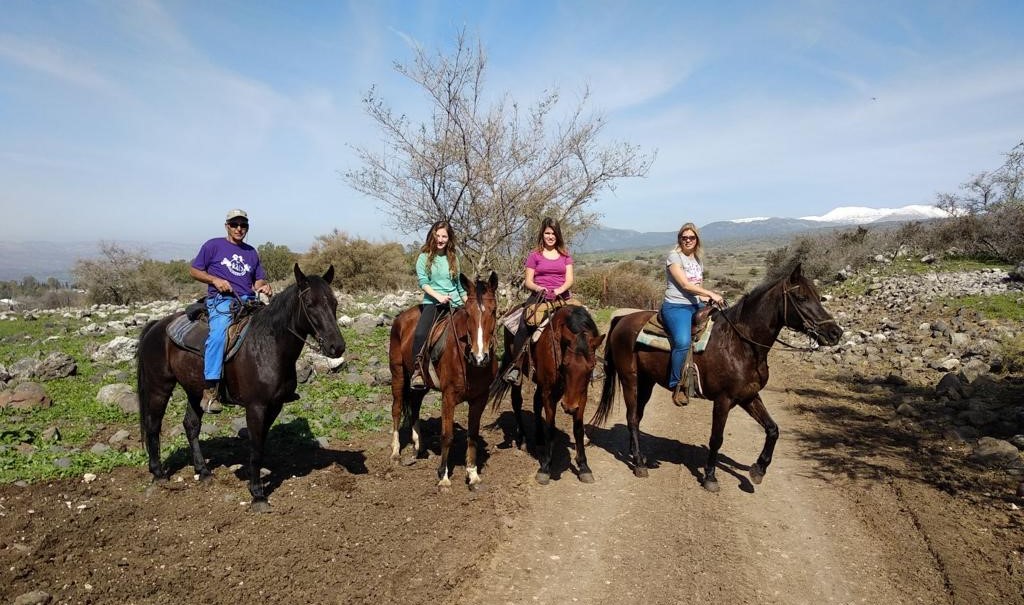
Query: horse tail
{"points": [[604, 407], [140, 383], [496, 392]]}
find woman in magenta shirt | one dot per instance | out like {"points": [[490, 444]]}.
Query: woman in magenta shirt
{"points": [[548, 273]]}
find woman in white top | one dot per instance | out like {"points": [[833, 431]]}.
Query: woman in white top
{"points": [[684, 296]]}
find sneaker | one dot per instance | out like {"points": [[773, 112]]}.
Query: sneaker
{"points": [[210, 402], [513, 377], [416, 381]]}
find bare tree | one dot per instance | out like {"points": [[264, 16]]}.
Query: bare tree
{"points": [[493, 172]]}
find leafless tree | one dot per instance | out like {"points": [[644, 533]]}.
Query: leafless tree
{"points": [[492, 171]]}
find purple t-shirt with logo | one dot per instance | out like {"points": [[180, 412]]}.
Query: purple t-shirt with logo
{"points": [[238, 264], [548, 273]]}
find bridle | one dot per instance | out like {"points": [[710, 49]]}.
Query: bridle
{"points": [[305, 313], [811, 328]]}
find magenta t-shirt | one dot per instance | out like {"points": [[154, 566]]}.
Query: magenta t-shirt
{"points": [[548, 273]]}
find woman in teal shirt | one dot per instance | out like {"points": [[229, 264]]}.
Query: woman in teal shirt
{"points": [[437, 269]]}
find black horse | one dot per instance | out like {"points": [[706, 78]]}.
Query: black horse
{"points": [[733, 368], [260, 377]]}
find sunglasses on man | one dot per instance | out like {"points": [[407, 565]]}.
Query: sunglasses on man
{"points": [[238, 225]]}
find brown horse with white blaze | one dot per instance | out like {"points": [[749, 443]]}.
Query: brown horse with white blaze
{"points": [[464, 370], [733, 369]]}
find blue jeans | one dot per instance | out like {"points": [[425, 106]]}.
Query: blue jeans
{"points": [[219, 308], [678, 318]]}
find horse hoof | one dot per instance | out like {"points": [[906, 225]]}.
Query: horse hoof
{"points": [[477, 487], [756, 474], [409, 461], [260, 506], [711, 486], [543, 478], [586, 477], [640, 471], [205, 479]]}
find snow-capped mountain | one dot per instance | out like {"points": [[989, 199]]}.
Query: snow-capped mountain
{"points": [[756, 228], [859, 215]]}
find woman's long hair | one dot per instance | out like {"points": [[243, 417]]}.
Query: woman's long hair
{"points": [[698, 251], [449, 250], [559, 241]]}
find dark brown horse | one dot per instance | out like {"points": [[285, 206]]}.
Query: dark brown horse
{"points": [[733, 368], [465, 369], [563, 358], [260, 377]]}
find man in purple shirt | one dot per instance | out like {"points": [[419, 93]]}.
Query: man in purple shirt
{"points": [[232, 269]]}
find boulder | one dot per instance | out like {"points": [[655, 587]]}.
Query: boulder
{"points": [[56, 365], [121, 348], [995, 453], [25, 396]]}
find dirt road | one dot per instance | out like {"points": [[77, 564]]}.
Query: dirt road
{"points": [[852, 510]]}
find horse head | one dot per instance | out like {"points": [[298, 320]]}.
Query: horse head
{"points": [[803, 311], [480, 319], [318, 311], [578, 341]]}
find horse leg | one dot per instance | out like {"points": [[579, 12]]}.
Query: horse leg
{"points": [[476, 410], [538, 421], [720, 414], [449, 401], [517, 409], [755, 407], [543, 396], [644, 389], [634, 412], [397, 397], [193, 422], [152, 407], [585, 474], [258, 419]]}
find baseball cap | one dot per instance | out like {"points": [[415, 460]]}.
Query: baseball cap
{"points": [[237, 213]]}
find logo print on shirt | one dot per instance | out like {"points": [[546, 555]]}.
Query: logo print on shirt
{"points": [[236, 265]]}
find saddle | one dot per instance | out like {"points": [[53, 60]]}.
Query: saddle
{"points": [[653, 334], [190, 329]]}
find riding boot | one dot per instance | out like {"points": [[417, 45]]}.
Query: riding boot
{"points": [[416, 382], [211, 401]]}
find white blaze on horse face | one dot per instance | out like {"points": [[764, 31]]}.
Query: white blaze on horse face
{"points": [[479, 352]]}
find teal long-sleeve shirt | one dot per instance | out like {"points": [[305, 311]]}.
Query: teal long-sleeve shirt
{"points": [[440, 280]]}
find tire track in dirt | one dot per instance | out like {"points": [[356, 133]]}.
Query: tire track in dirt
{"points": [[794, 539]]}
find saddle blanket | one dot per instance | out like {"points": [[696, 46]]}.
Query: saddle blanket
{"points": [[191, 335]]}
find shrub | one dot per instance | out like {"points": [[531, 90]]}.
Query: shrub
{"points": [[360, 264], [627, 284]]}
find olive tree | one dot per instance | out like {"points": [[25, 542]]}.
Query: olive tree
{"points": [[493, 170]]}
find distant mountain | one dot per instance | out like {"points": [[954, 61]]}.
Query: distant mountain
{"points": [[755, 229], [44, 260]]}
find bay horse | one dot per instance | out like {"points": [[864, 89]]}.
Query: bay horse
{"points": [[563, 358], [465, 369], [260, 377], [732, 369]]}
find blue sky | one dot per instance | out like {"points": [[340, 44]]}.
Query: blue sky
{"points": [[136, 120]]}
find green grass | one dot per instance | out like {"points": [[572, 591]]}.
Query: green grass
{"points": [[998, 306]]}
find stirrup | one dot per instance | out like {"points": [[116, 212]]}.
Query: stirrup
{"points": [[211, 403], [514, 377], [416, 382]]}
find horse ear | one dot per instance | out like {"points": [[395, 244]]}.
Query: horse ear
{"points": [[596, 341], [466, 284], [300, 277], [493, 281], [329, 274]]}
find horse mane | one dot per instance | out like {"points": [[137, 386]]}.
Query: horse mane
{"points": [[580, 323], [733, 311], [278, 312]]}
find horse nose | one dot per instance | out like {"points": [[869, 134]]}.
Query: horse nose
{"points": [[833, 334]]}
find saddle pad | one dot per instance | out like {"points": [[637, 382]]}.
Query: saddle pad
{"points": [[662, 343], [191, 335]]}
